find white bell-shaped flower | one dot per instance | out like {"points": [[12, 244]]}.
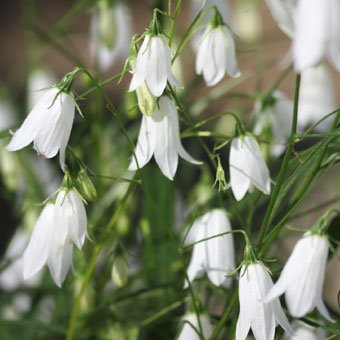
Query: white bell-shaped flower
{"points": [[247, 166], [317, 27], [159, 136], [70, 215], [44, 248], [278, 116], [111, 32], [153, 66], [190, 329], [216, 55], [283, 14], [317, 98], [303, 331], [302, 277], [262, 318], [48, 125], [215, 256]]}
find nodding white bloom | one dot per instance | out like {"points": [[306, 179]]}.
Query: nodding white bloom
{"points": [[216, 55], [153, 66], [276, 115], [196, 5], [48, 126], [247, 166], [262, 318], [111, 32], [70, 215], [283, 13], [302, 277], [317, 98], [159, 136], [215, 256], [44, 248], [304, 331], [191, 329], [38, 82], [317, 27]]}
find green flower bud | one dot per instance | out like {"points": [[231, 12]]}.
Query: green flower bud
{"points": [[146, 101], [85, 186], [119, 271]]}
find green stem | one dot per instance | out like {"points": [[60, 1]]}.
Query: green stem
{"points": [[270, 210]]}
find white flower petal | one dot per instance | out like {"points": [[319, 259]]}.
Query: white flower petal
{"points": [[238, 162], [60, 261], [38, 249], [334, 41], [231, 62], [145, 145], [156, 75]]}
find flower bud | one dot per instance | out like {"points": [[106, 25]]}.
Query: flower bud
{"points": [[146, 101], [119, 271], [85, 186]]}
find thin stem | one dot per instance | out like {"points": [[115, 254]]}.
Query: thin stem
{"points": [[270, 210]]}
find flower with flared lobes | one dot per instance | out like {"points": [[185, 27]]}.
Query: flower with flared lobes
{"points": [[111, 32], [159, 136], [70, 216], [283, 13], [43, 248], [261, 318], [216, 55], [153, 66], [48, 126], [317, 27], [302, 277], [191, 328], [215, 256], [317, 98], [278, 116], [247, 166]]}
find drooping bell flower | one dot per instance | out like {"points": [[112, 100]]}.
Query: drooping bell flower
{"points": [[275, 115], [215, 256], [159, 136], [191, 329], [153, 65], [216, 55], [48, 125], [303, 331], [247, 167], [262, 318], [317, 98], [317, 27], [303, 276], [111, 31]]}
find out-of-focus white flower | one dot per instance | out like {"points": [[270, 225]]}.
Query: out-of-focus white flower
{"points": [[153, 66], [276, 115], [48, 125], [317, 98], [44, 248], [317, 27], [70, 216], [283, 14], [190, 329], [119, 272], [247, 166], [11, 278], [262, 318], [38, 82], [216, 55], [20, 304], [111, 32], [159, 136], [196, 5], [302, 277], [215, 256], [306, 332], [7, 114]]}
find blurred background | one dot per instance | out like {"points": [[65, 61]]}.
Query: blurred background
{"points": [[43, 40]]}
